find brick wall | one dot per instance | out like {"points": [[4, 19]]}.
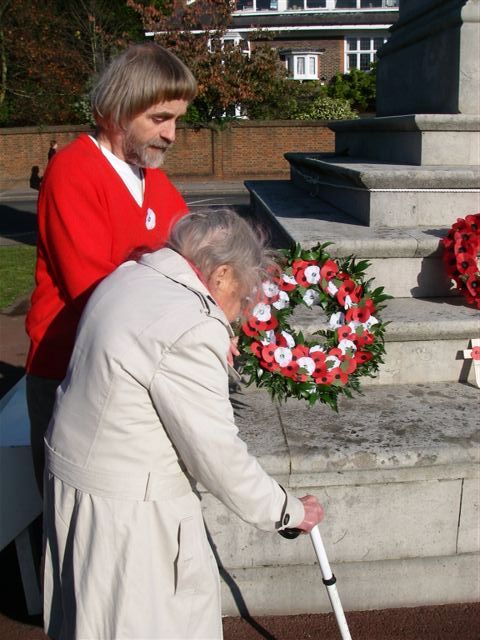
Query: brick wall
{"points": [[241, 151]]}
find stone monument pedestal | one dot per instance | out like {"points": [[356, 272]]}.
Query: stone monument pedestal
{"points": [[392, 189]]}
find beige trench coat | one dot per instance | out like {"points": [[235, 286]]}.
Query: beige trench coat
{"points": [[143, 413]]}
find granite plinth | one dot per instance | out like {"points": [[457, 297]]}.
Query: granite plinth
{"points": [[415, 139], [397, 472], [393, 195], [430, 63], [406, 261]]}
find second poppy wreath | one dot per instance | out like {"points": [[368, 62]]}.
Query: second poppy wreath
{"points": [[332, 361]]}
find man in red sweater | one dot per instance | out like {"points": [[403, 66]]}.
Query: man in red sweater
{"points": [[102, 198]]}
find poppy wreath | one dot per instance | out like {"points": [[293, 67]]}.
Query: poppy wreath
{"points": [[320, 369], [461, 248]]}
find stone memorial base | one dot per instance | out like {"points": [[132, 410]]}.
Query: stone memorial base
{"points": [[397, 473]]}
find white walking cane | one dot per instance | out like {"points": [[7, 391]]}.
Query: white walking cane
{"points": [[329, 579]]}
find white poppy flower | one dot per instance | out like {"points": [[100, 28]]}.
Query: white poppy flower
{"points": [[269, 338], [283, 300], [307, 363], [310, 297], [289, 339], [336, 320], [270, 289], [315, 348], [283, 356], [312, 274], [289, 279], [262, 312], [345, 345], [332, 362], [332, 288], [354, 324], [348, 302], [370, 322]]}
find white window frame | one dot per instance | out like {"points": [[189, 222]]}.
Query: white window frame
{"points": [[371, 51], [292, 62], [330, 5]]}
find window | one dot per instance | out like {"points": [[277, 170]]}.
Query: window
{"points": [[301, 66], [245, 5], [257, 5], [366, 4], [361, 52], [300, 5]]}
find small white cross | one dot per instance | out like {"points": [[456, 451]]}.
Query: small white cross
{"points": [[467, 354]]}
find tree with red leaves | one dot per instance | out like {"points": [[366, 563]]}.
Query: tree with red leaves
{"points": [[228, 75]]}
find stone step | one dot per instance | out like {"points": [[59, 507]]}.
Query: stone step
{"points": [[406, 261], [397, 472], [417, 139], [424, 340], [394, 195]]}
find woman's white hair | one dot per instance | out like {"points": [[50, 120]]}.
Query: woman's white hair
{"points": [[218, 237]]}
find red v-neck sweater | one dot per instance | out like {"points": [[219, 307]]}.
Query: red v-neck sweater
{"points": [[88, 223]]}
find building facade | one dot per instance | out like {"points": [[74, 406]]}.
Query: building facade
{"points": [[316, 38]]}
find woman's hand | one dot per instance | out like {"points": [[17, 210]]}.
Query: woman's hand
{"points": [[233, 351], [313, 513]]}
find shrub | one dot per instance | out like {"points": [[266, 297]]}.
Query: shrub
{"points": [[326, 108]]}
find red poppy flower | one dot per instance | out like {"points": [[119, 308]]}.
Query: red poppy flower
{"points": [[318, 357], [466, 264], [473, 222], [328, 270], [324, 378], [256, 349], [300, 351], [268, 352], [287, 286], [301, 278], [368, 338], [249, 331], [298, 270], [476, 353], [360, 314], [290, 370], [347, 289], [363, 356], [259, 325], [473, 284], [459, 225], [344, 333], [339, 376], [348, 365], [281, 340], [270, 366]]}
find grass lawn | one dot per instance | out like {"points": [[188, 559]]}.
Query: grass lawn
{"points": [[17, 264]]}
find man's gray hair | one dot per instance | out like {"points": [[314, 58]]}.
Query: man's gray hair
{"points": [[143, 75], [220, 236]]}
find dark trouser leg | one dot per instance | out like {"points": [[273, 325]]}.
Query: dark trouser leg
{"points": [[40, 402]]}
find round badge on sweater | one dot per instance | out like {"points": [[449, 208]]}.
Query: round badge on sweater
{"points": [[151, 219]]}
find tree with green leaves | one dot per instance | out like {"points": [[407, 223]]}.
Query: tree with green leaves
{"points": [[358, 87]]}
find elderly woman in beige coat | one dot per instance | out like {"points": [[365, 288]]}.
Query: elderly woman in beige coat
{"points": [[142, 415]]}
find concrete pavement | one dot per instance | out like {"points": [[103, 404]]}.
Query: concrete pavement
{"points": [[186, 187]]}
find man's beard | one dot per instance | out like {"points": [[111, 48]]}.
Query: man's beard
{"points": [[150, 154]]}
